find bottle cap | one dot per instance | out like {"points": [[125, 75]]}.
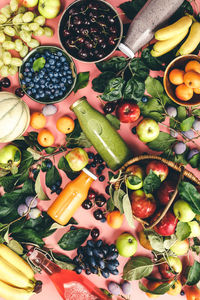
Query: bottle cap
{"points": [[78, 102], [126, 50], [85, 170]]}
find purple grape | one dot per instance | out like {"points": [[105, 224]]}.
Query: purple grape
{"points": [[114, 288], [188, 134], [49, 110], [196, 124], [22, 209], [30, 202], [192, 153], [126, 287], [179, 148], [34, 213], [172, 111], [173, 133]]}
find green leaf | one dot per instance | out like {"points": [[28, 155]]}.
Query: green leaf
{"points": [[189, 193], [151, 62], [128, 211], [154, 87], [114, 64], [113, 90], [196, 112], [152, 109], [36, 155], [113, 120], [183, 230], [133, 179], [39, 190], [77, 138], [82, 81], [137, 267], [160, 290], [139, 69], [181, 113], [73, 239], [110, 205], [50, 150], [131, 8], [17, 156], [195, 160], [39, 64], [193, 274], [63, 261], [169, 241], [99, 83], [134, 89], [64, 166], [187, 124], [28, 236], [162, 143], [151, 183], [109, 295], [52, 175], [118, 198], [155, 240]]}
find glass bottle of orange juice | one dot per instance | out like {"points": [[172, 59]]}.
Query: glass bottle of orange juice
{"points": [[71, 197]]}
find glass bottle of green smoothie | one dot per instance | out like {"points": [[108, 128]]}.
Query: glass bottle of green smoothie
{"points": [[99, 131]]}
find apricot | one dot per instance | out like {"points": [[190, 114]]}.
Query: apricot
{"points": [[65, 124], [183, 92], [144, 242], [175, 289], [197, 90], [192, 79], [152, 285], [176, 76], [115, 219], [192, 65], [37, 120], [45, 138]]}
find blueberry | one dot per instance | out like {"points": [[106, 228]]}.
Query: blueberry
{"points": [[103, 220], [93, 164], [63, 59], [182, 293], [58, 183], [58, 191], [112, 247], [53, 188], [29, 92], [90, 155], [59, 53], [133, 130], [56, 74], [87, 271], [105, 273], [63, 79], [37, 86], [115, 262], [50, 86], [47, 65], [27, 79], [144, 99], [52, 67], [66, 67], [72, 228], [101, 178], [33, 90], [51, 97], [78, 270], [114, 272], [36, 79]]}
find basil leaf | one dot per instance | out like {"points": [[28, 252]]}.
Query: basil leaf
{"points": [[52, 175], [39, 64], [151, 62], [73, 239], [113, 120], [183, 230], [113, 90], [162, 143], [131, 8], [99, 83], [137, 268], [128, 211], [114, 64], [82, 81], [187, 124], [193, 276], [160, 290], [151, 182], [134, 89], [189, 193]]}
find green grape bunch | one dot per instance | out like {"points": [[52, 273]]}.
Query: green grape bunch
{"points": [[19, 29]]}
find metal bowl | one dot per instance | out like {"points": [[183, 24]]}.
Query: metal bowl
{"points": [[52, 49], [64, 19]]}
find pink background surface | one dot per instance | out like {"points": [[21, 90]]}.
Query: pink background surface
{"points": [[85, 218]]}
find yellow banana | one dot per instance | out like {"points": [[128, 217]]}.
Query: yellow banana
{"points": [[15, 260], [176, 28], [192, 40], [163, 47], [12, 293], [13, 276]]}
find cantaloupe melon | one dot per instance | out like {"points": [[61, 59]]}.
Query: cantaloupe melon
{"points": [[14, 117]]}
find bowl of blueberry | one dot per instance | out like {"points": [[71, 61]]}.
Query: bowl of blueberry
{"points": [[90, 30], [47, 75]]}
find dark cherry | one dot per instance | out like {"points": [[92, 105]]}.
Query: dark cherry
{"points": [[109, 107], [94, 29], [70, 43], [111, 19], [111, 40], [91, 194], [113, 29], [94, 233], [77, 20], [80, 40], [102, 23], [100, 200], [94, 6], [19, 92], [86, 22], [87, 204], [84, 31], [107, 189], [100, 54], [83, 8], [66, 32], [98, 214], [77, 30], [5, 82], [88, 44], [82, 54], [74, 11], [93, 14]]}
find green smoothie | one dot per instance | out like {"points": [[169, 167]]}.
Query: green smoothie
{"points": [[105, 139]]}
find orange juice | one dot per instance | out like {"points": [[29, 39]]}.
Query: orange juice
{"points": [[71, 197]]}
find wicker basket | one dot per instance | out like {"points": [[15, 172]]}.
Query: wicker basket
{"points": [[177, 167]]}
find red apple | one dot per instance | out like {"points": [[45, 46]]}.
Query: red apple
{"points": [[167, 225], [159, 168], [171, 267], [128, 112], [143, 205], [28, 3], [165, 192]]}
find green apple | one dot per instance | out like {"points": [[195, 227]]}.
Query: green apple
{"points": [[135, 174], [10, 156], [77, 159], [147, 130], [175, 264], [195, 229], [180, 247], [49, 8], [126, 245], [28, 3], [183, 211]]}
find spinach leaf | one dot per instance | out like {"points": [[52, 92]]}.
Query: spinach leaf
{"points": [[152, 109], [113, 90], [137, 267], [82, 81], [151, 62], [131, 8], [162, 143], [134, 89], [52, 175], [139, 69], [28, 236], [73, 239], [189, 193], [99, 83], [154, 87], [151, 182], [114, 64]]}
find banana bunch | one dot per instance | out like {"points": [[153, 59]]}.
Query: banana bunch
{"points": [[170, 36], [16, 276]]}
